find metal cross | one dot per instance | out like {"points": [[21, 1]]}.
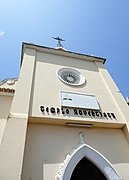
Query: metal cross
{"points": [[59, 41]]}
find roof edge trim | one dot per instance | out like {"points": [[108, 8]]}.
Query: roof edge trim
{"points": [[59, 52]]}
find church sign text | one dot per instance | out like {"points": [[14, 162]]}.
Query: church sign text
{"points": [[77, 112]]}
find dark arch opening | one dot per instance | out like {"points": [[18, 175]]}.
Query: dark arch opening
{"points": [[86, 170]]}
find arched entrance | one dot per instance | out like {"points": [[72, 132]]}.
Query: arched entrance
{"points": [[85, 169], [83, 159]]}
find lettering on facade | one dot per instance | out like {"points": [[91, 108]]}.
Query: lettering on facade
{"points": [[77, 112]]}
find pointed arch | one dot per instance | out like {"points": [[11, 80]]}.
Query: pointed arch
{"points": [[94, 156]]}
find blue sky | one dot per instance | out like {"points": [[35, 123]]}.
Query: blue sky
{"points": [[96, 27]]}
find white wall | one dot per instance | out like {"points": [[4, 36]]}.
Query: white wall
{"points": [[5, 104], [47, 147]]}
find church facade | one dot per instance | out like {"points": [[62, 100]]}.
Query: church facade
{"points": [[63, 119]]}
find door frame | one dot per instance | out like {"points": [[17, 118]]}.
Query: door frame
{"points": [[84, 150]]}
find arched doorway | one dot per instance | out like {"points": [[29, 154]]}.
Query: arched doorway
{"points": [[85, 169], [86, 156]]}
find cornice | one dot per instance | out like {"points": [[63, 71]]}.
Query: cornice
{"points": [[60, 52], [7, 90]]}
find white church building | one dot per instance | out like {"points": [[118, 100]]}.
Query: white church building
{"points": [[63, 119]]}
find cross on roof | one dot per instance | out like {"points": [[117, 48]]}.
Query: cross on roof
{"points": [[59, 41]]}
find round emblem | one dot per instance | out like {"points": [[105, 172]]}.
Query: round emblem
{"points": [[71, 76]]}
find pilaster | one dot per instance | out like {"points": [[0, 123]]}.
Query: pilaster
{"points": [[13, 143]]}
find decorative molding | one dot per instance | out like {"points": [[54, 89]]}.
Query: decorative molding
{"points": [[7, 90], [63, 165], [82, 141], [83, 150], [71, 77], [9, 81], [8, 85]]}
